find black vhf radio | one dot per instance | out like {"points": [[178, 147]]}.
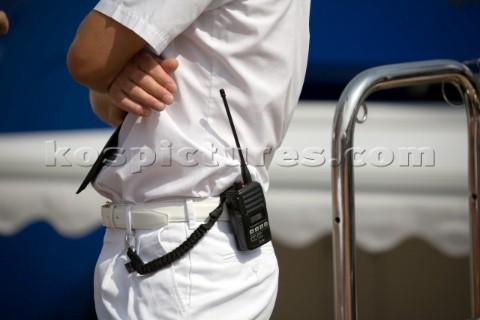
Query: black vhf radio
{"points": [[246, 204]]}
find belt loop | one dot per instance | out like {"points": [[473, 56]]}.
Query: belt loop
{"points": [[192, 223], [111, 216]]}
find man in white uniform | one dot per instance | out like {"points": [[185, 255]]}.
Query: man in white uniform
{"points": [[179, 158]]}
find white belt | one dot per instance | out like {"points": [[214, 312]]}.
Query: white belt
{"points": [[156, 215]]}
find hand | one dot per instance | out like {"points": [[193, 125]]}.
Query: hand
{"points": [[144, 84], [3, 23]]}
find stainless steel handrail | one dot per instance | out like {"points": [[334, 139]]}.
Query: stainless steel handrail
{"points": [[352, 98]]}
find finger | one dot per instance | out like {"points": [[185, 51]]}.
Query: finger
{"points": [[137, 93], [127, 101], [146, 81], [170, 65], [152, 91], [155, 68], [143, 89]]}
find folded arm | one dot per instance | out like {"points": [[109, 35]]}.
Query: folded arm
{"points": [[107, 57], [100, 50]]}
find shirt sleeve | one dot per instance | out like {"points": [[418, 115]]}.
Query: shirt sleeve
{"points": [[158, 22]]}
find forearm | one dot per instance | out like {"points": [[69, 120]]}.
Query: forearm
{"points": [[105, 110]]}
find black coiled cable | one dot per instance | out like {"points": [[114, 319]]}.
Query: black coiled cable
{"points": [[136, 263]]}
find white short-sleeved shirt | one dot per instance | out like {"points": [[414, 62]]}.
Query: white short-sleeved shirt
{"points": [[254, 49]]}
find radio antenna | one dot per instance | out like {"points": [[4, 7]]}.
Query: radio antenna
{"points": [[243, 165]]}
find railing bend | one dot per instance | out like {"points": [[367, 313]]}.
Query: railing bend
{"points": [[351, 100]]}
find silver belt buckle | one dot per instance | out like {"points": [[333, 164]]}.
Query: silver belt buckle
{"points": [[130, 233]]}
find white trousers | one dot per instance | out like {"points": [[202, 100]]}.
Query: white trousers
{"points": [[213, 281]]}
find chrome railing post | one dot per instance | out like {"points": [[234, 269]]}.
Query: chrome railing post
{"points": [[352, 98]]}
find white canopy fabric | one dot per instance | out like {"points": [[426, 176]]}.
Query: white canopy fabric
{"points": [[396, 197]]}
